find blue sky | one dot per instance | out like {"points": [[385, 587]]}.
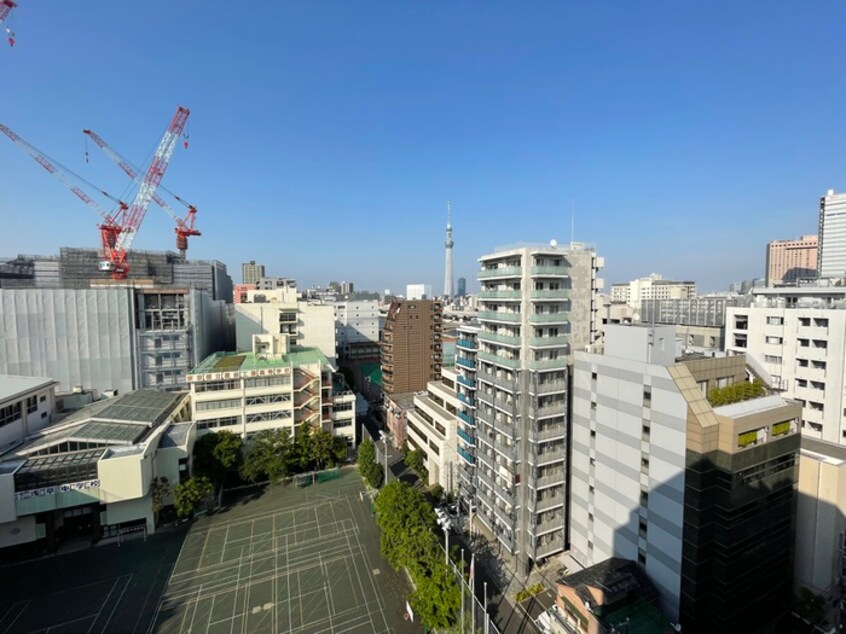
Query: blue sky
{"points": [[326, 137]]}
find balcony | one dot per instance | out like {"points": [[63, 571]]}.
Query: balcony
{"points": [[558, 294], [467, 455], [546, 457], [549, 387], [508, 363], [557, 432], [511, 385], [466, 400], [548, 342], [503, 271], [487, 315], [506, 294], [505, 516], [548, 364], [466, 344], [466, 437], [468, 383], [550, 547], [465, 363], [549, 318], [466, 418], [509, 340], [550, 502], [549, 271], [547, 481], [485, 478], [548, 526], [552, 409]]}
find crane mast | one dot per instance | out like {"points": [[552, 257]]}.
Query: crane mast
{"points": [[115, 251], [6, 7], [184, 226]]}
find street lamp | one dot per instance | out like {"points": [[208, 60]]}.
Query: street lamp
{"points": [[385, 436]]}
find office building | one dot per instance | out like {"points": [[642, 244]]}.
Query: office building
{"points": [[702, 497], [273, 386], [537, 306], [418, 291], [412, 352], [251, 272], [801, 351], [831, 254], [397, 407], [461, 287], [821, 522], [111, 339], [356, 330], [278, 310], [90, 474], [651, 287], [26, 406], [789, 261], [431, 428], [700, 321], [239, 292]]}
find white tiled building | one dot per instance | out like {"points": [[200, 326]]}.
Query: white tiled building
{"points": [[26, 406]]}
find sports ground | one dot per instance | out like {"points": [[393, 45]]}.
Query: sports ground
{"points": [[286, 559]]}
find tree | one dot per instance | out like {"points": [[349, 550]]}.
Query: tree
{"points": [[159, 490], [320, 447], [218, 455], [188, 495], [269, 454], [339, 451], [370, 470], [417, 463], [302, 447]]}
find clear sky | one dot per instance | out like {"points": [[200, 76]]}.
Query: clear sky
{"points": [[326, 137]]}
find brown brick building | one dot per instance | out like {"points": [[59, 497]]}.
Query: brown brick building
{"points": [[411, 345]]}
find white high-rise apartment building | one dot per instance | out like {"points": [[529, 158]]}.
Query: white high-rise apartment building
{"points": [[803, 350], [831, 251], [357, 329], [537, 305], [651, 287]]}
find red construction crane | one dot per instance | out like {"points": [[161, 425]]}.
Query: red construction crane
{"points": [[111, 222], [6, 7], [115, 250], [184, 226]]}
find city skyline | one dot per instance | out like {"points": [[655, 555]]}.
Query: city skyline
{"points": [[530, 119]]}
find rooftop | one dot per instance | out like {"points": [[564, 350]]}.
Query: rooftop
{"points": [[822, 450], [246, 361], [12, 386], [752, 406]]}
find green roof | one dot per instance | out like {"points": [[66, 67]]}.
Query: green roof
{"points": [[245, 361], [642, 617], [373, 371]]}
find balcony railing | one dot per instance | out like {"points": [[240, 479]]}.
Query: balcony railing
{"points": [[466, 437], [549, 271], [559, 431], [549, 503], [547, 481], [508, 363], [547, 342], [467, 382], [465, 363], [552, 409], [548, 387], [466, 418], [512, 340], [548, 364], [487, 315], [549, 318], [551, 547], [548, 526], [466, 400], [560, 294], [466, 455], [503, 271], [506, 294], [555, 455], [508, 384], [466, 343]]}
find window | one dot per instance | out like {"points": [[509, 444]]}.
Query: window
{"points": [[801, 383], [647, 396], [641, 558], [31, 404], [644, 465], [820, 322], [645, 432], [644, 498], [770, 358], [805, 321], [42, 398], [593, 431], [593, 376], [775, 321], [593, 405], [10, 414], [774, 340], [804, 343]]}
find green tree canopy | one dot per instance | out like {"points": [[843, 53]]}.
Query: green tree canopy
{"points": [[736, 392], [270, 454], [370, 470], [188, 495], [320, 448], [218, 456]]}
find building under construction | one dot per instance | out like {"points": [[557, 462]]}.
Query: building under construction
{"points": [[77, 268], [88, 331]]}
